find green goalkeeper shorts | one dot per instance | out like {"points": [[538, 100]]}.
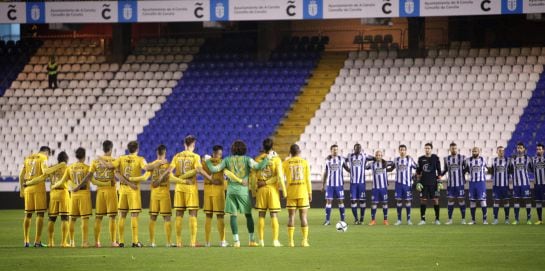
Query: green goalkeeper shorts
{"points": [[238, 203]]}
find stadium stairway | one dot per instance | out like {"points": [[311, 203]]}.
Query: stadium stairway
{"points": [[531, 127], [302, 110]]}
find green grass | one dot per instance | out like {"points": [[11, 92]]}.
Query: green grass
{"points": [[429, 247]]}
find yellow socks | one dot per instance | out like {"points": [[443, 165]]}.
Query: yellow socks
{"points": [[72, 227], [168, 231], [39, 227], [179, 230], [193, 229], [207, 229], [51, 232], [261, 228], [26, 229], [291, 230], [112, 228], [304, 230], [85, 231], [121, 227], [152, 231], [64, 233], [134, 227], [221, 228], [98, 224], [275, 228]]}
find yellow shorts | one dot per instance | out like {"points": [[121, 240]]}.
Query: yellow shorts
{"points": [[160, 203], [35, 201], [130, 201], [59, 202], [214, 204], [298, 203], [106, 203], [267, 198], [186, 200], [80, 204]]}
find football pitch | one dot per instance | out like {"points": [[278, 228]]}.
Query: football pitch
{"points": [[362, 247]]}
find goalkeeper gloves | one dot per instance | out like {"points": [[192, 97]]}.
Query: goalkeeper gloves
{"points": [[419, 187]]}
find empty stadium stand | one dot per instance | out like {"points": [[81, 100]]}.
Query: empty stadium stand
{"points": [[227, 94], [474, 97]]}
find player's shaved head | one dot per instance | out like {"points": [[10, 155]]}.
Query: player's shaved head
{"points": [[378, 155], [294, 150], [357, 148], [107, 146], [475, 151], [238, 148], [132, 147], [267, 144], [62, 157], [80, 153]]}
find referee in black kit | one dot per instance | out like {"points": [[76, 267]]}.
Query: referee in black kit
{"points": [[429, 183]]}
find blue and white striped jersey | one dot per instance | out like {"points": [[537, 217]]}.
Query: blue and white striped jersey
{"points": [[499, 171], [404, 170], [477, 169], [538, 164], [455, 165], [357, 166], [334, 169], [519, 166], [380, 174]]}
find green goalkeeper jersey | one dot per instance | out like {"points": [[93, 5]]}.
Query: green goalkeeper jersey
{"points": [[240, 166]]}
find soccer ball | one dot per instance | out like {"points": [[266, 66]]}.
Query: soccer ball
{"points": [[341, 226]]}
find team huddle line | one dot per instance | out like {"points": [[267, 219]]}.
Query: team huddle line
{"points": [[229, 184], [427, 181]]}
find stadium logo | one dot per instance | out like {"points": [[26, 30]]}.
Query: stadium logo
{"points": [[35, 12], [290, 9], [12, 13], [409, 7], [312, 8], [485, 5], [198, 10], [387, 7], [127, 11], [220, 10], [106, 12], [511, 5]]}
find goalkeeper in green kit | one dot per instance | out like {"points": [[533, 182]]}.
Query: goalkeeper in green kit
{"points": [[238, 198]]}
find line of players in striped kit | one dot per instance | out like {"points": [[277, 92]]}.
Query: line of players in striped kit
{"points": [[510, 177]]}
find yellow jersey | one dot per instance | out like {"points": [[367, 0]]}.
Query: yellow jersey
{"points": [[56, 177], [272, 173], [74, 175], [130, 166], [182, 163], [297, 173], [210, 189], [156, 173], [102, 173], [34, 166]]}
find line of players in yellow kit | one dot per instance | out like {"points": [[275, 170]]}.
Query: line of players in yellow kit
{"points": [[70, 194]]}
